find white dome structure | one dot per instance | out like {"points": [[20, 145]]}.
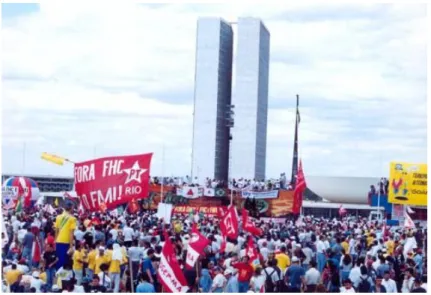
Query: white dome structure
{"points": [[342, 189]]}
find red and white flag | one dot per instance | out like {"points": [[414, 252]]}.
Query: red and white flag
{"points": [[36, 250], [248, 225], [170, 273], [299, 190], [229, 223], [251, 252], [408, 222], [197, 244], [112, 181]]}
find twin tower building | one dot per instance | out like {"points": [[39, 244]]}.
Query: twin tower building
{"points": [[230, 99]]}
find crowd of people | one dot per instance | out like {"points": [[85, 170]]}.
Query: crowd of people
{"points": [[102, 252], [236, 184]]}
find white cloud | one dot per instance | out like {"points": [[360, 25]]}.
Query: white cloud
{"points": [[84, 81]]}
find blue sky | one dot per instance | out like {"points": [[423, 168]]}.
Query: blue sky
{"points": [[84, 82]]}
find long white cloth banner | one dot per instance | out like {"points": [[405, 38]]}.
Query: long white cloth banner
{"points": [[190, 192], [260, 195]]}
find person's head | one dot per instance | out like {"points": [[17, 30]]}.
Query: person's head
{"points": [[258, 271], [101, 250], [313, 264], [295, 260], [347, 284], [144, 277], [150, 253], [418, 282], [95, 281], [68, 206], [409, 273], [14, 266], [228, 273], [245, 259], [386, 275], [379, 279]]}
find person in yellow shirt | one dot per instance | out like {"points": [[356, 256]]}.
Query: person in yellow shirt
{"points": [[345, 245], [283, 260], [390, 246], [79, 258], [12, 275], [91, 260], [114, 268], [101, 258], [65, 225]]}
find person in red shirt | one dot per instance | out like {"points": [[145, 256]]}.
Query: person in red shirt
{"points": [[245, 272], [50, 240]]}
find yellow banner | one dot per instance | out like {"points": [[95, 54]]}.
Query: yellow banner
{"points": [[53, 159], [408, 184]]}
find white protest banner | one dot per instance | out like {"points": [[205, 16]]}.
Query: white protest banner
{"points": [[164, 211], [273, 194]]}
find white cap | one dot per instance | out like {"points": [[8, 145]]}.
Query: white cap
{"points": [[101, 248], [227, 272], [295, 259], [36, 274]]}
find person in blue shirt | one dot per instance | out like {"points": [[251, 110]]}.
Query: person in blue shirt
{"points": [[147, 266], [232, 282], [295, 275], [418, 259], [144, 286]]}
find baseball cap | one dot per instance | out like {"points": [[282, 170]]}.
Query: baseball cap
{"points": [[295, 259], [228, 272], [101, 248], [35, 274]]}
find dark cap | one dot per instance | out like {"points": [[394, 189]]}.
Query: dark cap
{"points": [[347, 281], [68, 204]]}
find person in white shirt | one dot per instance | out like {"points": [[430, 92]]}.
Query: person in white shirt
{"points": [[219, 281], [408, 281], [308, 256], [128, 235], [114, 234], [355, 273], [36, 282], [264, 251], [312, 277], [389, 284], [321, 250], [347, 288]]}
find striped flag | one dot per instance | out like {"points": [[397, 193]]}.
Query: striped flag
{"points": [[18, 207]]}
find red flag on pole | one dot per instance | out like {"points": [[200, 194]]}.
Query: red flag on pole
{"points": [[248, 225], [251, 252], [299, 190], [196, 246], [170, 273], [229, 223]]}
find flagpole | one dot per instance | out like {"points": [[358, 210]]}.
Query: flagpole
{"points": [[163, 171], [295, 145], [23, 157]]}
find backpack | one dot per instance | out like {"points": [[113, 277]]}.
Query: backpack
{"points": [[364, 286], [269, 284]]}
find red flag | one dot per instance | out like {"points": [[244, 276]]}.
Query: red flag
{"points": [[342, 211], [299, 190], [251, 252], [112, 180], [196, 247], [229, 223], [133, 207], [248, 225], [169, 272], [35, 251]]}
